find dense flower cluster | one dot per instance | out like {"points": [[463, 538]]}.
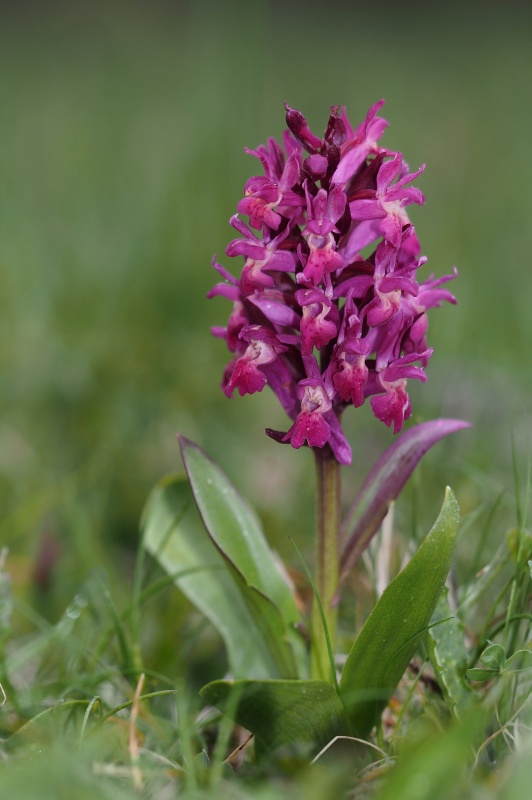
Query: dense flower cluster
{"points": [[327, 310]]}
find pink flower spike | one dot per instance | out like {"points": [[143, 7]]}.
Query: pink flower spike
{"points": [[328, 310]]}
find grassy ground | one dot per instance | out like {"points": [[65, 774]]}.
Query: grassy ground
{"points": [[121, 160]]}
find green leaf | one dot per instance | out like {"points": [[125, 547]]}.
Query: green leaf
{"points": [[236, 533], [479, 674], [236, 530], [282, 642], [521, 661], [494, 657], [386, 643], [281, 712], [449, 657], [174, 534]]}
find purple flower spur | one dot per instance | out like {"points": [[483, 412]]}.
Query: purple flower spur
{"points": [[328, 311]]}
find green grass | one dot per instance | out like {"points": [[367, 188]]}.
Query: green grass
{"points": [[121, 160], [90, 702]]}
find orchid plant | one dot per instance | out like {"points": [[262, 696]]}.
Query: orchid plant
{"points": [[328, 313]]}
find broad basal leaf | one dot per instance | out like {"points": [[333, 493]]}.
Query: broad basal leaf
{"points": [[174, 534], [391, 633], [235, 529], [281, 712], [236, 533]]}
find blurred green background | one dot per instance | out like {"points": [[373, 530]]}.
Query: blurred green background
{"points": [[122, 135]]}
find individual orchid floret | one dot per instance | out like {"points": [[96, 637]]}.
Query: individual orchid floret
{"points": [[428, 296], [350, 377], [263, 194], [391, 285], [328, 311], [262, 256], [359, 143], [310, 424], [323, 212], [320, 320], [263, 348], [388, 200], [394, 407]]}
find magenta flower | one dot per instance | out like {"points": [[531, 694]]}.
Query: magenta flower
{"points": [[314, 317]]}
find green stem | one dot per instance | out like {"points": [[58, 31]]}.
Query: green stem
{"points": [[327, 559]]}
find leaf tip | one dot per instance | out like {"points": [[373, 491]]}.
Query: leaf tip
{"points": [[187, 446], [452, 502], [183, 441]]}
